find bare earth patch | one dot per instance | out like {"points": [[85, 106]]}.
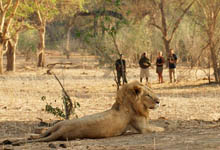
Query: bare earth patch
{"points": [[189, 111]]}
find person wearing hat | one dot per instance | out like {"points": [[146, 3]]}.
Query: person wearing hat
{"points": [[120, 66], [144, 64]]}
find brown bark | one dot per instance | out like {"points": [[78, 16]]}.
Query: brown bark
{"points": [[42, 30], [1, 58], [214, 58], [211, 12], [6, 19], [2, 52], [10, 57], [41, 47], [102, 13], [11, 54], [164, 29], [67, 50], [69, 26], [95, 25], [215, 65]]}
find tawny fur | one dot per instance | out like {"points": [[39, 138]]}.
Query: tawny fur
{"points": [[131, 108]]}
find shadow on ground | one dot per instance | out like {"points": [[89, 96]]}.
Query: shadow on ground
{"points": [[179, 134]]}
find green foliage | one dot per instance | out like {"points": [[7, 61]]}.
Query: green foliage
{"points": [[28, 41], [55, 34], [55, 111], [60, 112]]}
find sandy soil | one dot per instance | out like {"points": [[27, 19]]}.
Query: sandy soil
{"points": [[189, 111]]}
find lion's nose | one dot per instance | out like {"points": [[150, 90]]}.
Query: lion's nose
{"points": [[157, 101]]}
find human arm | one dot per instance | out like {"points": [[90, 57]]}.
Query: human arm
{"points": [[175, 58], [147, 62]]}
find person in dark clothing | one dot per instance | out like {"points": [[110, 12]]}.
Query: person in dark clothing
{"points": [[121, 70], [172, 60], [144, 64], [159, 69]]}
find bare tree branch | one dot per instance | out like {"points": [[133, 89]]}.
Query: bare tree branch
{"points": [[1, 6], [7, 5], [157, 26], [39, 16], [163, 18], [69, 106], [38, 11], [200, 54], [179, 20], [102, 13], [2, 21], [8, 23]]}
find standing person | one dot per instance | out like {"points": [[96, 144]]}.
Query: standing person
{"points": [[144, 64], [121, 71], [172, 60], [159, 69]]}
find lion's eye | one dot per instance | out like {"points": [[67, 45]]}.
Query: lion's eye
{"points": [[148, 95]]}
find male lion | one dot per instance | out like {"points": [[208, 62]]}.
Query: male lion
{"points": [[131, 108]]}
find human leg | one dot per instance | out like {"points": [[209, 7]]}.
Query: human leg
{"points": [[161, 77], [124, 78], [174, 75], [141, 74], [158, 77], [146, 79], [170, 74], [159, 72], [119, 77], [140, 79], [147, 74]]}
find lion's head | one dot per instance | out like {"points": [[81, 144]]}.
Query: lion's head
{"points": [[138, 97]]}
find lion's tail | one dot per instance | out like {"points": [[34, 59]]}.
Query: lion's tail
{"points": [[49, 135]]}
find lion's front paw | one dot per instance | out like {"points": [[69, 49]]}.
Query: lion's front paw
{"points": [[159, 129], [156, 129]]}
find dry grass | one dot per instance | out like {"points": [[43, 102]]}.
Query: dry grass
{"points": [[20, 99]]}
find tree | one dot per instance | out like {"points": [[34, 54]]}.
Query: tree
{"points": [[19, 25], [68, 11], [209, 13], [44, 11], [11, 52], [166, 24], [8, 10]]}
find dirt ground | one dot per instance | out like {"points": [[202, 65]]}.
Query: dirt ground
{"points": [[189, 110]]}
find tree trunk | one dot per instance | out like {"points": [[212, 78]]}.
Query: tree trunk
{"points": [[215, 64], [95, 25], [11, 56], [212, 46], [167, 48], [167, 45], [41, 48], [67, 50], [164, 29], [1, 58]]}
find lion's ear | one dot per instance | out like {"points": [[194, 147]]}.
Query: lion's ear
{"points": [[137, 90]]}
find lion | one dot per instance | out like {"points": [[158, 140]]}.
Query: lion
{"points": [[131, 108]]}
